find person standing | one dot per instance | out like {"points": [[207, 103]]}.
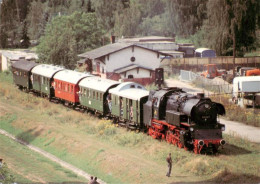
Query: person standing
{"points": [[169, 161]]}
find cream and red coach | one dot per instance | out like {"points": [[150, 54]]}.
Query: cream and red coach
{"points": [[66, 85]]}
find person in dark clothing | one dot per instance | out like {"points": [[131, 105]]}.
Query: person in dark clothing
{"points": [[95, 181], [169, 161]]}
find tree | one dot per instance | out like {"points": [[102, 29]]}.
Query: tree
{"points": [[37, 19], [106, 12], [126, 23], [186, 16], [67, 36], [225, 29], [13, 13]]}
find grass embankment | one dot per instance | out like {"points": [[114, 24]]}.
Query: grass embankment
{"points": [[28, 166], [114, 154]]}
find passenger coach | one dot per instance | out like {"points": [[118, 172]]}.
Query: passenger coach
{"points": [[66, 84], [22, 72], [94, 93], [127, 103], [42, 78]]}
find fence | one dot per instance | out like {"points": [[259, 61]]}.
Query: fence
{"points": [[216, 86], [187, 76], [196, 64]]}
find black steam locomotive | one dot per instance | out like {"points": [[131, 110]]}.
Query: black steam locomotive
{"points": [[186, 120]]}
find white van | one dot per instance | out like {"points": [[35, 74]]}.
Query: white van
{"points": [[246, 91]]}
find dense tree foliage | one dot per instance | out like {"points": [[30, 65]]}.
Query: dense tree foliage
{"points": [[67, 36], [218, 24]]}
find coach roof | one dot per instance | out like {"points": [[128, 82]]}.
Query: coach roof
{"points": [[97, 83], [130, 90], [46, 70], [24, 65], [70, 76]]}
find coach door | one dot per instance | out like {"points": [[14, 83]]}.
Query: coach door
{"points": [[121, 107]]}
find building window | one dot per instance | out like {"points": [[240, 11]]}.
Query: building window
{"points": [[132, 59], [137, 70], [130, 76]]}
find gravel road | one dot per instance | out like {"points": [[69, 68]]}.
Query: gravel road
{"points": [[232, 127]]}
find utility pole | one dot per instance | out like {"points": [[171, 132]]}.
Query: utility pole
{"points": [[234, 46]]}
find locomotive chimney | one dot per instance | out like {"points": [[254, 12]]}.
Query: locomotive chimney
{"points": [[200, 95]]}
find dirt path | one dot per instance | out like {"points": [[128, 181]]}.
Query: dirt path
{"points": [[51, 157], [232, 127]]}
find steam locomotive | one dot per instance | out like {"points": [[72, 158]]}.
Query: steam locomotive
{"points": [[185, 120]]}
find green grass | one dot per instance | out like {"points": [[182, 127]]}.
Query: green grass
{"points": [[28, 166]]}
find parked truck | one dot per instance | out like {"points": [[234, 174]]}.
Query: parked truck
{"points": [[247, 71], [211, 71], [246, 91]]}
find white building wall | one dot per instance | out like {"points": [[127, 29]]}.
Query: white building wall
{"points": [[141, 74], [143, 57], [4, 63]]}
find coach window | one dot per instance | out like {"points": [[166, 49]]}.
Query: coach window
{"points": [[72, 89], [93, 94], [66, 87], [69, 88], [97, 96], [88, 94], [101, 97]]}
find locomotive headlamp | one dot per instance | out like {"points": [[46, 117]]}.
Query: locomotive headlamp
{"points": [[191, 129]]}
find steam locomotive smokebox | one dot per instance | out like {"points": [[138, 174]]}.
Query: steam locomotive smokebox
{"points": [[175, 118]]}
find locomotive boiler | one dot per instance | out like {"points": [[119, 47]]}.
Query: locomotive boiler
{"points": [[186, 120]]}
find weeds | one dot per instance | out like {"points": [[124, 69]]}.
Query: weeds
{"points": [[50, 141], [235, 113]]}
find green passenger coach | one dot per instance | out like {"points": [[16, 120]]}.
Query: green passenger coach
{"points": [[127, 103], [21, 73], [42, 78], [93, 94]]}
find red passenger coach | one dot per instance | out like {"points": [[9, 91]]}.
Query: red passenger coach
{"points": [[66, 85]]}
